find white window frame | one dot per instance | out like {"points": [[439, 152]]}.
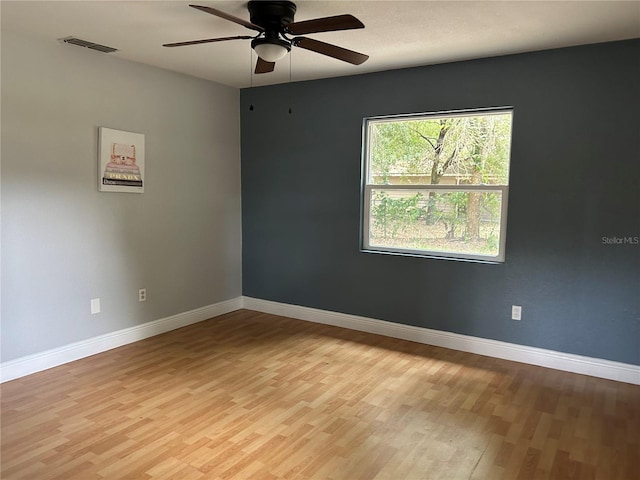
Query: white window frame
{"points": [[368, 187]]}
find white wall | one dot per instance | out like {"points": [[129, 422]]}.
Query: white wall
{"points": [[63, 242]]}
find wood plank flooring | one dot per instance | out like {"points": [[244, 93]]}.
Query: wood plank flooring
{"points": [[252, 396]]}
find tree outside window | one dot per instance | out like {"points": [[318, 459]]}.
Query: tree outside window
{"points": [[437, 184]]}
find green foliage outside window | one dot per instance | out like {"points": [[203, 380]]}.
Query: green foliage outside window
{"points": [[458, 150]]}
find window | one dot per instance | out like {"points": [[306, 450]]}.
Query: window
{"points": [[437, 184]]}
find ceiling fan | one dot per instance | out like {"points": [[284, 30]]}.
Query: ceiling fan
{"points": [[273, 20]]}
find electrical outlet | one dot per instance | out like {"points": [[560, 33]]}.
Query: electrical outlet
{"points": [[95, 306], [142, 295], [516, 312]]}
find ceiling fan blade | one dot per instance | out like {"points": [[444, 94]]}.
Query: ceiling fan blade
{"points": [[207, 40], [325, 24], [262, 66], [226, 16], [330, 50]]}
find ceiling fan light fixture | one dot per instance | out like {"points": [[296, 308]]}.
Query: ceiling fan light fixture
{"points": [[271, 50]]}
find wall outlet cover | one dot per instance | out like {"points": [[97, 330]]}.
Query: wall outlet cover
{"points": [[95, 306], [516, 312]]}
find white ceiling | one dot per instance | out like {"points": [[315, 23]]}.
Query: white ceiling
{"points": [[398, 33]]}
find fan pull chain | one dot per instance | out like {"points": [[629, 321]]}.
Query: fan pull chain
{"points": [[251, 73], [290, 61]]}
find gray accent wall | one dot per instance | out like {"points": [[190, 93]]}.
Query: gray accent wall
{"points": [[63, 242], [575, 178]]}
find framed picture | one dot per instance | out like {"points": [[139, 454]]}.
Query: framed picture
{"points": [[120, 161]]}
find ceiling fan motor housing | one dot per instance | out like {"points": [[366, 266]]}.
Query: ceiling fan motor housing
{"points": [[271, 15]]}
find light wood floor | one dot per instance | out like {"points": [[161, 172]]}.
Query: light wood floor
{"points": [[254, 396]]}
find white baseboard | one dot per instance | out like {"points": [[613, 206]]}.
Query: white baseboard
{"points": [[68, 353], [594, 367]]}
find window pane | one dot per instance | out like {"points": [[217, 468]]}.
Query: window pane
{"points": [[460, 222], [453, 150]]}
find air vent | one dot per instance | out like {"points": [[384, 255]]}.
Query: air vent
{"points": [[93, 46]]}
